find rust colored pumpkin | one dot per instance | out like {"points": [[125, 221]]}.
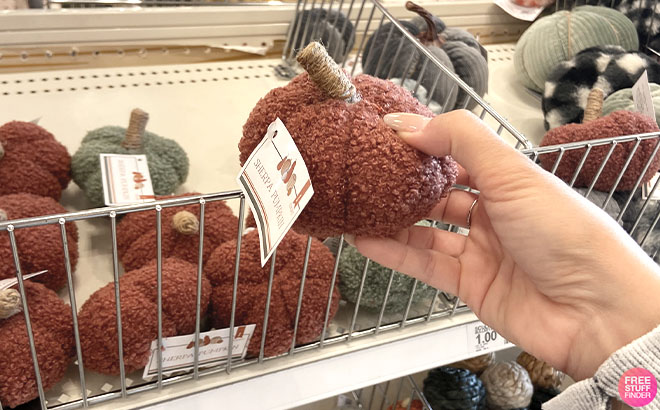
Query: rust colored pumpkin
{"points": [[253, 286], [52, 329], [32, 161], [139, 314], [136, 233], [366, 180], [615, 124], [39, 247]]}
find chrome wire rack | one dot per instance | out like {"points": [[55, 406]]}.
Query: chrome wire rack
{"points": [[398, 394]]}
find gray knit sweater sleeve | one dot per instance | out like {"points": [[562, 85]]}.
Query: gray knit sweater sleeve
{"points": [[595, 393]]}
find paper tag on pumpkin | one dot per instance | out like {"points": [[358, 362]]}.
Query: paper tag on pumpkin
{"points": [[642, 96], [126, 179], [178, 352], [648, 187], [8, 283], [276, 183], [519, 12]]}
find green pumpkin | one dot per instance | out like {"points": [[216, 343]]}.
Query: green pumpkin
{"points": [[623, 100], [168, 162]]}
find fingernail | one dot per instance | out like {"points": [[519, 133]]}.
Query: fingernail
{"points": [[406, 122], [350, 239]]}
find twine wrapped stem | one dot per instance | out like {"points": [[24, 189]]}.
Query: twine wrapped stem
{"points": [[185, 223], [135, 130], [10, 303], [326, 74], [594, 107]]}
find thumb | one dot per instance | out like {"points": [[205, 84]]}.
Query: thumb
{"points": [[488, 159]]}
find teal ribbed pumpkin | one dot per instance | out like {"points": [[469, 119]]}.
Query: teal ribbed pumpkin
{"points": [[561, 35], [623, 100], [168, 162]]}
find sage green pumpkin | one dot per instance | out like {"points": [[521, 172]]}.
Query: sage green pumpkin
{"points": [[168, 162], [623, 100], [560, 36]]}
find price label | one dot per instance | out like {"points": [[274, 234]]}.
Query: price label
{"points": [[642, 96], [482, 338]]}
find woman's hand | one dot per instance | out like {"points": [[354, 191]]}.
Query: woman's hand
{"points": [[543, 266]]}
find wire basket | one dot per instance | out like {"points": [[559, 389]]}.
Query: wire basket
{"points": [[367, 17], [397, 394]]}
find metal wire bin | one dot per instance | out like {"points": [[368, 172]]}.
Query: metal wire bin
{"points": [[398, 394], [366, 17]]}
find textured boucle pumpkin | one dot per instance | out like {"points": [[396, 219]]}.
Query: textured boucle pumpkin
{"points": [[137, 235], [52, 329], [253, 286], [351, 266], [139, 314], [168, 163], [39, 247], [455, 48], [32, 161], [609, 68], [615, 124], [451, 388], [366, 180], [623, 100], [560, 36], [507, 386]]}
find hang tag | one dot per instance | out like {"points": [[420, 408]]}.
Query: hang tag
{"points": [[519, 12], [276, 183], [648, 187], [642, 96], [178, 352], [8, 283], [126, 179], [481, 337]]}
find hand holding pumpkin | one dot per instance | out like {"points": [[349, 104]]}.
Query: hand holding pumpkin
{"points": [[517, 259]]}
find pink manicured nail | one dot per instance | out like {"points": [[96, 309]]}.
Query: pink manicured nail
{"points": [[406, 122]]}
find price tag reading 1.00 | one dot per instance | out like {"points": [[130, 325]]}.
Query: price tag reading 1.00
{"points": [[481, 337]]}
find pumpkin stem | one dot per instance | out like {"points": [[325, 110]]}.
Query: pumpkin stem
{"points": [[185, 223], [3, 215], [135, 130], [2, 151], [429, 36], [326, 74], [10, 303], [594, 108]]}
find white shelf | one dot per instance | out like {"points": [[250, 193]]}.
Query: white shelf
{"points": [[203, 107]]}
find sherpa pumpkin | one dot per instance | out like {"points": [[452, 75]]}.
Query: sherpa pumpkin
{"points": [[52, 329], [454, 389], [139, 314], [623, 100], [351, 266], [507, 386], [608, 68], [39, 247], [32, 161], [168, 163], [560, 36], [540, 373], [407, 404], [366, 180], [136, 233], [329, 27], [616, 124], [253, 286], [455, 48]]}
